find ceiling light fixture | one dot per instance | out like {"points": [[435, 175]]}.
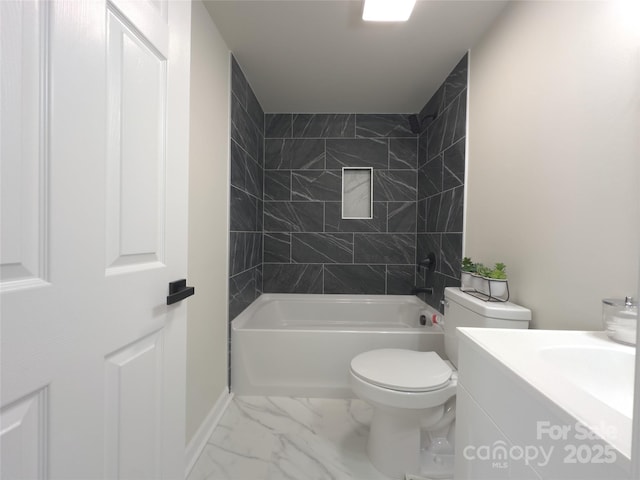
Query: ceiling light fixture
{"points": [[387, 10]]}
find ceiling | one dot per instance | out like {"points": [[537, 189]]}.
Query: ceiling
{"points": [[310, 56]]}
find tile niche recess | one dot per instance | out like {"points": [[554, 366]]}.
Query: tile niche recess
{"points": [[357, 193]]}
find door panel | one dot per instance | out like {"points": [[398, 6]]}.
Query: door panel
{"points": [[23, 438], [23, 119], [134, 409], [137, 82]]}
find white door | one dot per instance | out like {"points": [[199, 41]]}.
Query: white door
{"points": [[94, 147]]}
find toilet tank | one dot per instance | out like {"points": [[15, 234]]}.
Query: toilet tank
{"points": [[464, 310]]}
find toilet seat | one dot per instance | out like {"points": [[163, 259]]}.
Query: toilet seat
{"points": [[402, 370]]}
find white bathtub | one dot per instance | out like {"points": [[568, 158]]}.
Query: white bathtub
{"points": [[302, 345]]}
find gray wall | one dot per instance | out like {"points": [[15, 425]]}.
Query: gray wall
{"points": [[441, 182], [308, 248], [557, 138]]}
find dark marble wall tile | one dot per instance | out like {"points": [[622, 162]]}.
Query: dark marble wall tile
{"points": [[435, 136], [246, 195], [403, 153], [451, 211], [323, 125], [451, 121], [277, 247], [239, 159], [460, 130], [432, 212], [277, 125], [293, 216], [421, 216], [243, 211], [430, 178], [324, 185], [394, 185], [258, 272], [335, 223], [305, 148], [237, 258], [242, 292], [423, 182], [246, 251], [322, 248], [254, 109], [423, 279], [451, 248], [260, 158], [239, 84], [303, 225], [292, 278], [254, 178], [456, 82], [260, 219], [422, 150], [402, 217], [369, 152], [354, 279], [383, 125], [274, 155], [277, 185], [453, 127], [284, 154], [306, 153], [454, 164], [441, 156], [400, 279], [243, 130], [374, 248]]}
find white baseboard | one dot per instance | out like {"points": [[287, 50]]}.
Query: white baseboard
{"points": [[199, 440]]}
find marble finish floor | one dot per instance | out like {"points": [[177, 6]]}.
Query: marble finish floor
{"points": [[281, 438]]}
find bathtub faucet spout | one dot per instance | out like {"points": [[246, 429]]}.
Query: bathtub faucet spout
{"points": [[427, 290]]}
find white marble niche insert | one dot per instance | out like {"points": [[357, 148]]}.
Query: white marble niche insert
{"points": [[357, 193]]}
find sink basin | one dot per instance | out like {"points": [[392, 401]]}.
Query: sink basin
{"points": [[604, 373]]}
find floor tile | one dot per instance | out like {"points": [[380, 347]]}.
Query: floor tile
{"points": [[282, 438]]}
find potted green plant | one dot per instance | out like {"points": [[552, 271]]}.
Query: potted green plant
{"points": [[466, 270], [497, 280]]}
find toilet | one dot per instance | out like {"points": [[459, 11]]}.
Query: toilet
{"points": [[413, 393]]}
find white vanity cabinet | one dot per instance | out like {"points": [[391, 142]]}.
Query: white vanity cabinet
{"points": [[519, 418]]}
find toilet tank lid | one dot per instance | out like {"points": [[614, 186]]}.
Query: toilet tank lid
{"points": [[502, 310]]}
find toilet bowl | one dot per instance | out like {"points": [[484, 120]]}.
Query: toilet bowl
{"points": [[413, 393], [408, 390]]}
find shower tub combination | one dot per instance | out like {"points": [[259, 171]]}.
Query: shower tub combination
{"points": [[301, 345]]}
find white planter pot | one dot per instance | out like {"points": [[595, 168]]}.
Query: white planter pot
{"points": [[498, 287], [466, 281], [479, 284]]}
